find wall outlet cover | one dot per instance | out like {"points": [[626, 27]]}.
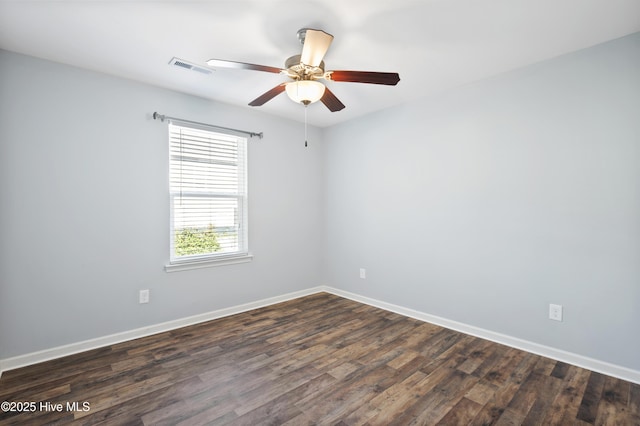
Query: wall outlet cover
{"points": [[144, 296], [555, 312]]}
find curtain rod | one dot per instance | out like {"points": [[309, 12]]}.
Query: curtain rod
{"points": [[157, 116]]}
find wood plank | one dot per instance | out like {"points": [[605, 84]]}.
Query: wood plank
{"points": [[431, 408], [390, 401], [612, 407], [482, 392], [564, 408], [461, 414], [591, 398], [547, 391]]}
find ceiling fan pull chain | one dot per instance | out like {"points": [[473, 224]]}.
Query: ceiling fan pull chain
{"points": [[305, 125]]}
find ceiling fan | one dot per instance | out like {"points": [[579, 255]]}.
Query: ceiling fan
{"points": [[306, 69]]}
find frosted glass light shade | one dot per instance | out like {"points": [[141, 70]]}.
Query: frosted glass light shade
{"points": [[305, 91]]}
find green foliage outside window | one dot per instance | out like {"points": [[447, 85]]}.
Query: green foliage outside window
{"points": [[196, 241]]}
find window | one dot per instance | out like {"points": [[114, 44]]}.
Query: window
{"points": [[208, 198]]}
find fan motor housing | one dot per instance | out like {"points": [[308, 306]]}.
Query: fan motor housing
{"points": [[302, 71]]}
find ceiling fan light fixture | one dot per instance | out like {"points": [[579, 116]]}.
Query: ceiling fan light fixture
{"points": [[305, 91], [305, 69]]}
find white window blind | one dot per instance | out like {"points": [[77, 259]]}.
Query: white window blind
{"points": [[208, 194]]}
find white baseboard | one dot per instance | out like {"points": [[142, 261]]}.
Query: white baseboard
{"points": [[538, 349], [73, 348], [514, 342]]}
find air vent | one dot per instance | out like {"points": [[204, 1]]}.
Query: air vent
{"points": [[189, 66]]}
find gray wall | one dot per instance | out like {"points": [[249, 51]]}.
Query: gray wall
{"points": [[84, 207], [488, 202], [482, 205]]}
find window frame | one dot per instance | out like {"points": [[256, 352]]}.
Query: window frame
{"points": [[242, 255]]}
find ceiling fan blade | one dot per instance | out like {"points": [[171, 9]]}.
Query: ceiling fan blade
{"points": [[267, 96], [388, 78], [316, 44], [221, 63], [330, 101]]}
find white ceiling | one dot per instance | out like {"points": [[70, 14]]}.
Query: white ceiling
{"points": [[433, 44]]}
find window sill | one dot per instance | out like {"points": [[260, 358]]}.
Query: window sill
{"points": [[208, 263]]}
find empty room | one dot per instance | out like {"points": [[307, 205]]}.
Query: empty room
{"points": [[335, 213]]}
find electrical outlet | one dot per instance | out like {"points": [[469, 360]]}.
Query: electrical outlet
{"points": [[363, 273], [555, 312], [144, 296]]}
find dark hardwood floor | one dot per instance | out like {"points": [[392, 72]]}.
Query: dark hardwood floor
{"points": [[319, 359]]}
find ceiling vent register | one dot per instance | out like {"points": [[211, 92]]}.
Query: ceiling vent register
{"points": [[189, 66]]}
